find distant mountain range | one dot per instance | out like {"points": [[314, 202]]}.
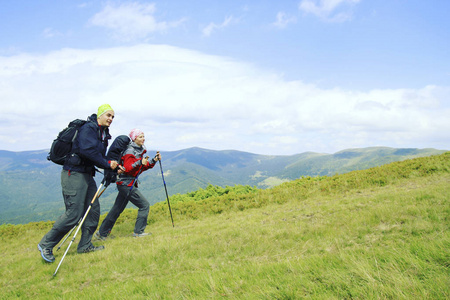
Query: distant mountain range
{"points": [[31, 188]]}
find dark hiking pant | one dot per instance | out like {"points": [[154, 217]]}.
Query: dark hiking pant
{"points": [[78, 189], [121, 202]]}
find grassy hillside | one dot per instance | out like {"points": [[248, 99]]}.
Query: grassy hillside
{"points": [[381, 233]]}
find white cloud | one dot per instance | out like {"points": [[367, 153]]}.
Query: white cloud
{"points": [[131, 21], [183, 98], [211, 27], [283, 20], [329, 10], [50, 33]]}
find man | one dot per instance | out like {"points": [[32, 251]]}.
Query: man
{"points": [[78, 185]]}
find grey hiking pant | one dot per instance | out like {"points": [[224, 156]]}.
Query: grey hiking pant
{"points": [[121, 202], [78, 190]]}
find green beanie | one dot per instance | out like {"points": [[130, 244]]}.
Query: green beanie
{"points": [[102, 109]]}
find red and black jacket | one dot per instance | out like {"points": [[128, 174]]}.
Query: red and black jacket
{"points": [[132, 162]]}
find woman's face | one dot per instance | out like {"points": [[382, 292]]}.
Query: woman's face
{"points": [[140, 139]]}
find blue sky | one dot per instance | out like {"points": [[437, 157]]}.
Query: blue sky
{"points": [[268, 77]]}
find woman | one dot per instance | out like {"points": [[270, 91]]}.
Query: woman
{"points": [[134, 163]]}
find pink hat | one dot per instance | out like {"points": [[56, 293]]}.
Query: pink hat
{"points": [[135, 133]]}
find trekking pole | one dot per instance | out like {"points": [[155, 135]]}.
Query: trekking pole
{"points": [[70, 232], [67, 236], [167, 195], [79, 226]]}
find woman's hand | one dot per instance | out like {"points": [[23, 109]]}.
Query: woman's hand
{"points": [[157, 156], [120, 170]]}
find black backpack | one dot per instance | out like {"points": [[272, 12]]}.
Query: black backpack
{"points": [[62, 145], [119, 145], [115, 152]]}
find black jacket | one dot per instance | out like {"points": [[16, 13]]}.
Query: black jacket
{"points": [[89, 148]]}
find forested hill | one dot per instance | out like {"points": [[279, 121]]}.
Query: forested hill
{"points": [[31, 185]]}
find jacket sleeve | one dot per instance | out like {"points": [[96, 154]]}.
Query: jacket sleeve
{"points": [[151, 163], [91, 147], [133, 164]]}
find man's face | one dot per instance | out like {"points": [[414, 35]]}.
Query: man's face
{"points": [[106, 119]]}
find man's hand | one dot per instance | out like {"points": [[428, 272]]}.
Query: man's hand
{"points": [[113, 164]]}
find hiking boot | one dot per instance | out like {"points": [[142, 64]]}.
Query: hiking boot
{"points": [[100, 237], [47, 254], [141, 234], [92, 249]]}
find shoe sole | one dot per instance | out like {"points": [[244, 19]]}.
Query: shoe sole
{"points": [[90, 251], [42, 254], [99, 237], [141, 235]]}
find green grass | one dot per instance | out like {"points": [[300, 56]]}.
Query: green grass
{"points": [[381, 233]]}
